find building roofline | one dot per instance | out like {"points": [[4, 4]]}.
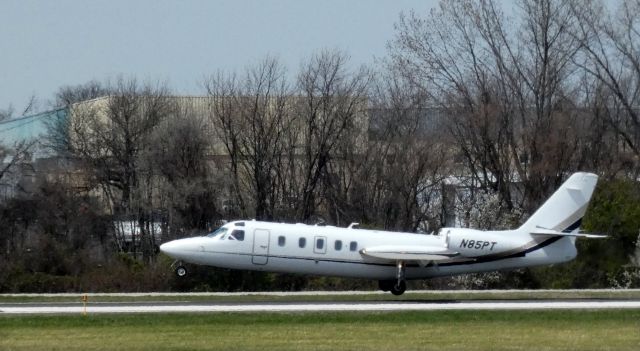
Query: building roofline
{"points": [[40, 114]]}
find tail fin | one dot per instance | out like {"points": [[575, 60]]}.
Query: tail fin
{"points": [[564, 210]]}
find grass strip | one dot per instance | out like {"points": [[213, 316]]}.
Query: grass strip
{"points": [[441, 330], [408, 296]]}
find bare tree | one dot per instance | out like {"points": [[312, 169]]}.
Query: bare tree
{"points": [[14, 156], [422, 157], [19, 151], [6, 113], [610, 52], [396, 179], [57, 138], [30, 107], [179, 158], [68, 95], [546, 101], [602, 147], [252, 117], [223, 90], [332, 106], [110, 136], [446, 55], [507, 89]]}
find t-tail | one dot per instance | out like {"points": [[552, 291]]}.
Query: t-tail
{"points": [[562, 213]]}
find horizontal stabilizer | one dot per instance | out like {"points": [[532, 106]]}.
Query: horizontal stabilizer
{"points": [[541, 231], [409, 253]]}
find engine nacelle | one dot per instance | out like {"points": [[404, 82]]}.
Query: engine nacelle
{"points": [[474, 243]]}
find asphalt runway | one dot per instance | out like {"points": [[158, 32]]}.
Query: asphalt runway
{"points": [[221, 307]]}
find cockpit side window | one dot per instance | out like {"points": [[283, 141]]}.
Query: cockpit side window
{"points": [[219, 232], [237, 234]]}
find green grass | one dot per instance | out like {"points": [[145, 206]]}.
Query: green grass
{"points": [[446, 330], [409, 295]]}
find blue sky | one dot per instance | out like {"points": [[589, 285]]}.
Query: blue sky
{"points": [[48, 44]]}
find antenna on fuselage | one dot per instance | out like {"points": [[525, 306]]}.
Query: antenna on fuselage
{"points": [[353, 225]]}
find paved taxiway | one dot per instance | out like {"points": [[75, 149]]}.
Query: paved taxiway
{"points": [[164, 307], [319, 306]]}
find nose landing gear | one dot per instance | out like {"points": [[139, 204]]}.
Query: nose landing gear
{"points": [[180, 269]]}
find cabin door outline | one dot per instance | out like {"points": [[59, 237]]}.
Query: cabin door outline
{"points": [[322, 250], [260, 246]]}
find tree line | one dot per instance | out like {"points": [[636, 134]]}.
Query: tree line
{"points": [[474, 111]]}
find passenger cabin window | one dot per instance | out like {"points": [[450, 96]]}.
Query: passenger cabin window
{"points": [[281, 240], [353, 246], [240, 224], [302, 242], [338, 245], [237, 235], [320, 244]]}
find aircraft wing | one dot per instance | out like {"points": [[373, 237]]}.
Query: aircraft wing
{"points": [[551, 232], [408, 253]]}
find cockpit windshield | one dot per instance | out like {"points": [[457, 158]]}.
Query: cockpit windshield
{"points": [[220, 231], [237, 234]]}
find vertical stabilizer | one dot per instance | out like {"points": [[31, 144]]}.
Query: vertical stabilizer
{"points": [[564, 210]]}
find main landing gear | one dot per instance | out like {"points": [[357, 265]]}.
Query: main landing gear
{"points": [[398, 286], [180, 269]]}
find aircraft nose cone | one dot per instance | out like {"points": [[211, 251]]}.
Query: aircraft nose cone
{"points": [[170, 248], [182, 249]]}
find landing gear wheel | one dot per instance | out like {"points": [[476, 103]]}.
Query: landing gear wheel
{"points": [[181, 271], [399, 288]]}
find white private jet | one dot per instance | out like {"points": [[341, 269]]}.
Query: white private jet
{"points": [[547, 237]]}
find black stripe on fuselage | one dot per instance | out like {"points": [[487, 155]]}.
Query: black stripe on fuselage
{"points": [[522, 253], [306, 258], [471, 261], [481, 259], [574, 226]]}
